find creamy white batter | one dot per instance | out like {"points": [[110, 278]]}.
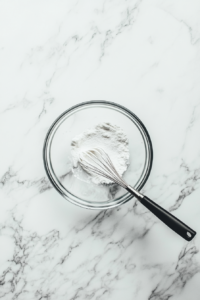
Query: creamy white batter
{"points": [[111, 139]]}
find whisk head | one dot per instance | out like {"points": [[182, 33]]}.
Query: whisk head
{"points": [[96, 161]]}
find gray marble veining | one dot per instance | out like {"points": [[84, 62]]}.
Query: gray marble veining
{"points": [[144, 55]]}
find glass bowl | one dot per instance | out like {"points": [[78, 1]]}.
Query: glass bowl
{"points": [[58, 161]]}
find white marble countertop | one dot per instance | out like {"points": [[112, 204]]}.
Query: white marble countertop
{"points": [[144, 55]]}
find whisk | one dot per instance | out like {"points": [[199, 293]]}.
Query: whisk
{"points": [[96, 161]]}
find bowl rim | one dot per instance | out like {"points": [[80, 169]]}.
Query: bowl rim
{"points": [[60, 188]]}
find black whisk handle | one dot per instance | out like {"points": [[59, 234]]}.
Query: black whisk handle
{"points": [[166, 217], [171, 221]]}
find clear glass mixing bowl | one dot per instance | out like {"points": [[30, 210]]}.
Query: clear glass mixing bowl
{"points": [[58, 161]]}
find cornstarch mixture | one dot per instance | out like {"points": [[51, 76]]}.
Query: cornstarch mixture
{"points": [[111, 139]]}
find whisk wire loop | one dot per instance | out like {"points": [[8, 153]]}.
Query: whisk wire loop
{"points": [[96, 161]]}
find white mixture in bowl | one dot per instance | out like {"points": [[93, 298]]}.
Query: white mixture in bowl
{"points": [[111, 139]]}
